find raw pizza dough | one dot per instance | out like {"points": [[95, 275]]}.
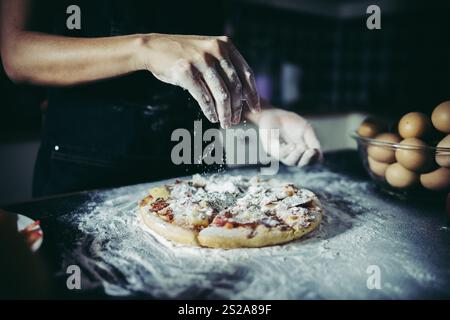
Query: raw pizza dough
{"points": [[224, 211]]}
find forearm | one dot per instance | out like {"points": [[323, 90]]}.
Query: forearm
{"points": [[59, 61]]}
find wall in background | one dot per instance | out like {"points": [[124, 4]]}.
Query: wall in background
{"points": [[340, 64]]}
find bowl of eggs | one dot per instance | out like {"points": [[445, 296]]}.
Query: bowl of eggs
{"points": [[413, 159]]}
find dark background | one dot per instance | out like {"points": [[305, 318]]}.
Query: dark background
{"points": [[347, 67], [342, 66]]}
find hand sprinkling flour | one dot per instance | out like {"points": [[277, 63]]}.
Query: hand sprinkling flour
{"points": [[210, 68]]}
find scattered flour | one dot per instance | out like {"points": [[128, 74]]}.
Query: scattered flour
{"points": [[118, 253]]}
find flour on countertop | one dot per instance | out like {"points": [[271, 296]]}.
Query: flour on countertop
{"points": [[116, 251]]}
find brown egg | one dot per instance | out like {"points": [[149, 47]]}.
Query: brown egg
{"points": [[414, 125], [378, 168], [383, 153], [418, 160], [443, 157], [371, 127], [437, 180], [441, 117], [400, 177]]}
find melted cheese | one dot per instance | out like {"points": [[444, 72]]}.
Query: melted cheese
{"points": [[237, 200]]}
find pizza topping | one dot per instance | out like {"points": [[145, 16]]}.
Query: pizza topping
{"points": [[181, 191], [146, 200], [281, 194], [268, 200], [203, 204], [228, 214], [254, 180], [220, 222], [290, 190], [232, 202], [270, 222], [165, 211], [198, 181], [295, 201], [160, 193], [227, 186], [168, 215], [158, 205], [229, 225], [199, 220], [252, 225]]}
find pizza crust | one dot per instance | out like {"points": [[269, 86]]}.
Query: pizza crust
{"points": [[168, 230], [218, 237], [241, 237]]}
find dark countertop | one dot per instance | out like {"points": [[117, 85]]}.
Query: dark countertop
{"points": [[363, 229]]}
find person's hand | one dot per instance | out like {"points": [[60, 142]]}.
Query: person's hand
{"points": [[210, 68], [22, 274], [297, 144]]}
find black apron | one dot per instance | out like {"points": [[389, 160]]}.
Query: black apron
{"points": [[117, 132]]}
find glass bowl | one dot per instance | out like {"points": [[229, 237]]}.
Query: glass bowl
{"points": [[406, 171]]}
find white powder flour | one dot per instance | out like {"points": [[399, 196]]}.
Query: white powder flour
{"points": [[359, 229]]}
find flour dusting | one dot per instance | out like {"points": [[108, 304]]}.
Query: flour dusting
{"points": [[119, 254]]}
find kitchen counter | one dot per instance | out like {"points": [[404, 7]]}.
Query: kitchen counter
{"points": [[368, 246]]}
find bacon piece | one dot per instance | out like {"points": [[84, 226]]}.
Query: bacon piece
{"points": [[158, 205], [168, 215], [252, 225], [283, 225], [218, 221], [223, 222], [228, 214]]}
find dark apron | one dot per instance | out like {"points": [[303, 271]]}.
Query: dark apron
{"points": [[115, 132]]}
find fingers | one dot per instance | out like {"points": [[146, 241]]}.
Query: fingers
{"points": [[221, 95], [309, 156], [211, 69], [218, 77], [235, 88], [312, 142], [289, 154], [245, 73], [298, 131], [209, 89], [297, 155], [193, 81], [228, 79], [296, 144], [310, 138], [292, 158]]}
